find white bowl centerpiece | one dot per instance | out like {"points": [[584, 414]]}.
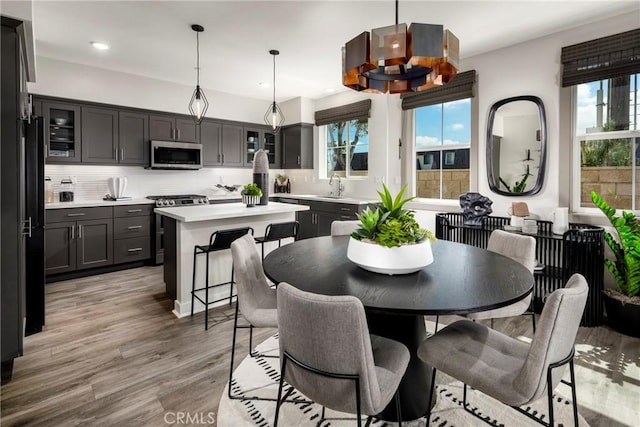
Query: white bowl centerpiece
{"points": [[390, 240]]}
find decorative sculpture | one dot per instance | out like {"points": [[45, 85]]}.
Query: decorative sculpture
{"points": [[474, 206]]}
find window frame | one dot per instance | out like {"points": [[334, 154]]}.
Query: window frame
{"points": [[323, 133]]}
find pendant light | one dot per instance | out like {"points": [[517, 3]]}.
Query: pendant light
{"points": [[199, 104], [274, 117]]}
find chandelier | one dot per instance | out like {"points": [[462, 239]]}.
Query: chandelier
{"points": [[397, 59], [198, 104], [274, 117]]}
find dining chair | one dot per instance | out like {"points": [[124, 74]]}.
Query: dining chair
{"points": [[507, 369], [519, 248], [256, 301], [344, 228], [338, 367], [277, 231]]}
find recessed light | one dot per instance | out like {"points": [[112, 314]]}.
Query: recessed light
{"points": [[329, 89], [99, 45], [263, 84]]}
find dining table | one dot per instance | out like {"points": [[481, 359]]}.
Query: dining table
{"points": [[461, 279]]}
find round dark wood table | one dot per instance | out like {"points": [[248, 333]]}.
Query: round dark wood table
{"points": [[462, 279]]}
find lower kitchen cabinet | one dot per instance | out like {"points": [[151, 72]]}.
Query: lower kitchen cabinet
{"points": [[94, 243], [60, 247], [317, 220], [132, 233]]}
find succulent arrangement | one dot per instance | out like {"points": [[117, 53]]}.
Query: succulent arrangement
{"points": [[251, 190], [389, 224], [626, 267]]}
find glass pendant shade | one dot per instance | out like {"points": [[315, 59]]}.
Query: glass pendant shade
{"points": [[400, 59], [273, 116]]}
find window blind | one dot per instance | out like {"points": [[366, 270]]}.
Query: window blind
{"points": [[603, 58], [460, 87], [355, 111]]}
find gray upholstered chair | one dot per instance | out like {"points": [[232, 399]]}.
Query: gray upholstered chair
{"points": [[341, 368], [256, 299], [344, 228], [519, 248], [509, 370]]}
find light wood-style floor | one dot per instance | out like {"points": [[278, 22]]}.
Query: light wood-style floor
{"points": [[112, 353]]}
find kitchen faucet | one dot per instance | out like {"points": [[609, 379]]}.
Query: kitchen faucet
{"points": [[340, 184]]}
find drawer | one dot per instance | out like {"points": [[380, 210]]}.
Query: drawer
{"points": [[287, 200], [337, 208], [78, 214], [132, 249], [132, 210], [131, 227]]}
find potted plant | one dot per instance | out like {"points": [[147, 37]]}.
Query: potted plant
{"points": [[623, 304], [389, 239], [251, 194]]}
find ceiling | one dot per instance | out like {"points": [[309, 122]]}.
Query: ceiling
{"points": [[154, 38]]}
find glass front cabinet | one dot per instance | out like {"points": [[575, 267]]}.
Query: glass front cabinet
{"points": [[62, 132], [261, 138]]}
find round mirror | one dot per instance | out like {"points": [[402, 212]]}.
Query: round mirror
{"points": [[516, 146]]}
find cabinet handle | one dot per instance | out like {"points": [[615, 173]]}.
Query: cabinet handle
{"points": [[134, 227], [75, 214], [223, 158], [298, 159], [79, 231], [134, 250], [178, 133], [218, 157], [173, 133], [116, 153], [26, 227], [134, 210], [122, 154], [73, 232], [345, 209]]}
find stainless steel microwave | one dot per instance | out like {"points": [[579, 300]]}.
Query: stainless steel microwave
{"points": [[175, 155]]}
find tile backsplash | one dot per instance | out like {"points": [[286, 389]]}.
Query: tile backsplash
{"points": [[91, 182]]}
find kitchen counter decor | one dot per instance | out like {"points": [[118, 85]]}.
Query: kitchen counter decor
{"points": [[389, 240], [251, 195]]}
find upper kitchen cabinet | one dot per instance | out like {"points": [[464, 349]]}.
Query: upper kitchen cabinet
{"points": [[297, 146], [62, 132], [133, 138], [271, 144], [261, 138], [99, 135], [252, 139], [232, 147], [211, 139], [172, 128]]}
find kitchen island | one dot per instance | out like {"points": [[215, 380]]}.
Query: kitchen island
{"points": [[187, 226]]}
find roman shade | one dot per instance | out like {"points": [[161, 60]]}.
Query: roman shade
{"points": [[357, 110], [460, 87], [603, 58]]}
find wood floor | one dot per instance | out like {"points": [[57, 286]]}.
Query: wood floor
{"points": [[112, 353]]}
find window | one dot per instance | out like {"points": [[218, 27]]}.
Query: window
{"points": [[442, 136], [607, 142], [347, 148]]}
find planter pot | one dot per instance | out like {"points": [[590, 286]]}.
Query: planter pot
{"points": [[397, 260], [624, 318], [250, 201]]}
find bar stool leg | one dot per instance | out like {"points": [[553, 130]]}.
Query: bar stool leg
{"points": [[193, 282], [206, 296], [231, 285]]}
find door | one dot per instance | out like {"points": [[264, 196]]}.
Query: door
{"points": [[99, 135], [60, 247], [308, 227], [133, 138], [232, 145], [271, 144], [95, 243], [291, 148], [210, 137], [252, 143], [161, 128], [186, 130], [324, 220], [62, 132]]}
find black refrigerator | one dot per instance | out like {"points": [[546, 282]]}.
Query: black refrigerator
{"points": [[32, 136]]}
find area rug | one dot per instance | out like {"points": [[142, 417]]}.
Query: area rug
{"points": [[259, 377]]}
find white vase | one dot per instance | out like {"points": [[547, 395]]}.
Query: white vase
{"points": [[397, 260]]}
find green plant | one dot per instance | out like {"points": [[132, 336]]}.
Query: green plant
{"points": [[519, 186], [626, 268], [251, 190], [389, 224], [281, 178]]}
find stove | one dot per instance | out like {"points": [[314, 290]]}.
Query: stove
{"points": [[179, 200]]}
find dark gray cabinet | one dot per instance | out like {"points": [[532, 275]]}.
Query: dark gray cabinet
{"points": [[77, 239], [317, 220], [62, 129], [133, 138], [132, 233], [256, 138], [99, 135], [232, 145], [297, 146], [211, 140], [171, 128]]}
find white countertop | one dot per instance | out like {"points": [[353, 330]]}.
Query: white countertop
{"points": [[94, 203], [226, 210], [327, 198]]}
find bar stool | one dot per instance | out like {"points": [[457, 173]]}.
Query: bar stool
{"points": [[218, 241], [278, 231]]}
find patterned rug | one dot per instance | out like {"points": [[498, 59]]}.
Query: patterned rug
{"points": [[259, 377]]}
